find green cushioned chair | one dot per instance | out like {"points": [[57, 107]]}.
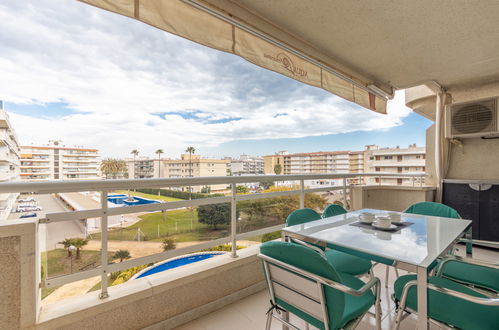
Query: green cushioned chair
{"points": [[433, 209], [341, 261], [480, 274], [468, 311], [302, 282], [333, 209]]}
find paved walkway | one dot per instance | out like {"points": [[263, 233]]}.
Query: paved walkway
{"points": [[73, 289], [141, 249]]}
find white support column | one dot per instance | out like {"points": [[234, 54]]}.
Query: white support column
{"points": [[302, 194], [103, 256], [233, 220], [345, 203]]}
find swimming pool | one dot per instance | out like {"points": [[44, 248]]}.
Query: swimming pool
{"points": [[177, 262], [123, 200]]}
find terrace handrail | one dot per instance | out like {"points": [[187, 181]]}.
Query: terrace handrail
{"points": [[105, 186], [48, 187]]}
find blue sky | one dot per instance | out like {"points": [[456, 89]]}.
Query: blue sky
{"points": [[73, 72]]}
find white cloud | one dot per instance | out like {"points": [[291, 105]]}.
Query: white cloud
{"points": [[119, 74]]}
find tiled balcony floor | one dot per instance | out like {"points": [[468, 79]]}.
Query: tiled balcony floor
{"points": [[249, 313]]}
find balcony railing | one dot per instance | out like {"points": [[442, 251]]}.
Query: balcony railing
{"points": [[106, 186]]}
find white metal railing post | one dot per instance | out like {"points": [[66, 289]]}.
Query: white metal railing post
{"points": [[103, 257], [302, 194], [233, 220], [345, 204]]}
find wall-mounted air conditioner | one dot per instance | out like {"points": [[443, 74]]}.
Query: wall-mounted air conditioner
{"points": [[472, 119]]}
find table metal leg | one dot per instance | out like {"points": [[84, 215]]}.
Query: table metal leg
{"points": [[422, 298], [469, 245]]}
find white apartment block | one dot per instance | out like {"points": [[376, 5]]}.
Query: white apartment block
{"points": [[55, 161], [246, 165], [180, 168], [411, 160], [9, 161]]}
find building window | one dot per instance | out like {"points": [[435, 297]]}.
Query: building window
{"points": [[418, 156], [371, 158], [378, 157], [377, 180], [377, 169], [399, 158], [399, 181], [387, 157]]}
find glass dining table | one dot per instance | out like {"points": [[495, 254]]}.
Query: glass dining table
{"points": [[414, 247]]}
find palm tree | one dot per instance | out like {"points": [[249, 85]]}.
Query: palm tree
{"points": [[159, 152], [114, 168], [122, 255], [190, 150], [67, 243], [135, 153], [79, 243]]}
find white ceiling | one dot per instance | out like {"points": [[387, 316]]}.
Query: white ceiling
{"points": [[402, 43]]}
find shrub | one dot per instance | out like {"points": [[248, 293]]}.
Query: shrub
{"points": [[223, 247], [168, 244], [271, 236]]}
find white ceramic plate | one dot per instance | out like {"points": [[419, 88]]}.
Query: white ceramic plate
{"points": [[375, 225]]}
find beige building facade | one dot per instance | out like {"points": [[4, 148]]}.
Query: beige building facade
{"points": [[55, 161], [411, 160], [194, 166]]}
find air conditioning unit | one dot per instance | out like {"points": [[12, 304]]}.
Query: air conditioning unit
{"points": [[472, 119]]}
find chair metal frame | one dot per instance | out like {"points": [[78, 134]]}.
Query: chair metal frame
{"points": [[490, 301], [374, 284], [481, 289]]}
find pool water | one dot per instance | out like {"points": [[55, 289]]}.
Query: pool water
{"points": [[178, 262], [122, 200]]}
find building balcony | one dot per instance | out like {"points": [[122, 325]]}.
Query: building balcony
{"points": [[185, 293]]}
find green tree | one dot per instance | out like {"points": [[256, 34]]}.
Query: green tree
{"points": [[114, 168], [242, 189], [122, 255], [277, 169], [215, 214], [159, 152], [168, 244]]}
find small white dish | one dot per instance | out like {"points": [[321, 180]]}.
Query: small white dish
{"points": [[378, 226]]}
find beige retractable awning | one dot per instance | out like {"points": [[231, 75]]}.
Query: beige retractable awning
{"points": [[227, 33]]}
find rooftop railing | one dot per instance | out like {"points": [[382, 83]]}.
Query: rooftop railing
{"points": [[104, 212]]}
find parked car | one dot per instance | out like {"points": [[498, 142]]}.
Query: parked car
{"points": [[28, 208], [28, 215], [26, 200]]}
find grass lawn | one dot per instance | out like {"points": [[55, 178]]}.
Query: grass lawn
{"points": [[139, 194], [56, 262], [181, 225]]}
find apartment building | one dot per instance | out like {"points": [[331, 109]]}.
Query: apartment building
{"points": [[247, 165], [411, 160], [270, 162], [195, 166], [55, 161], [9, 161], [317, 163], [142, 168]]}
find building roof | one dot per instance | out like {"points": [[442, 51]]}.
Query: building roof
{"points": [[60, 148]]}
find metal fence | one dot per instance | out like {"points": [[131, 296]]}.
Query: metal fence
{"points": [[105, 186]]}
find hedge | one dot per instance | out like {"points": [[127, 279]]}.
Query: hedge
{"points": [[176, 193]]}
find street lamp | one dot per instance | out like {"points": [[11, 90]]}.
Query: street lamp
{"points": [[71, 249]]}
